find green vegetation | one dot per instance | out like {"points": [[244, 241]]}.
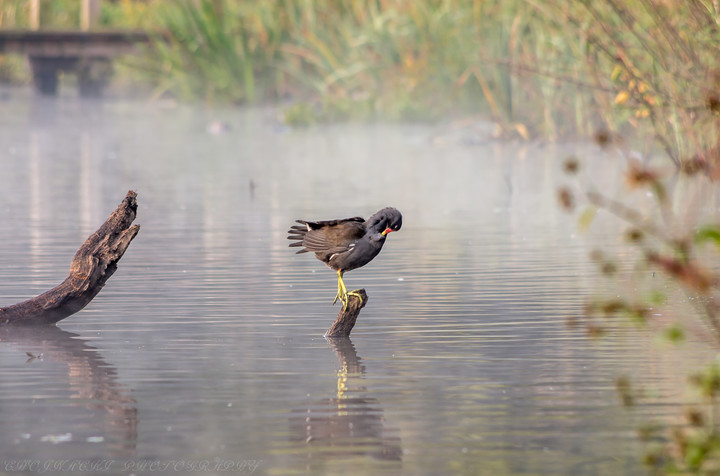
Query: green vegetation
{"points": [[644, 69], [356, 59]]}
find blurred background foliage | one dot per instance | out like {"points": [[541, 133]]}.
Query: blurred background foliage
{"points": [[646, 69]]}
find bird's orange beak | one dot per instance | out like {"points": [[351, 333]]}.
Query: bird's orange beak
{"points": [[387, 230]]}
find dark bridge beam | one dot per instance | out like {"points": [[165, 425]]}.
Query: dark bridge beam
{"points": [[71, 44]]}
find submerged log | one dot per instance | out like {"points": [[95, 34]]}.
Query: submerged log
{"points": [[346, 318], [93, 264]]}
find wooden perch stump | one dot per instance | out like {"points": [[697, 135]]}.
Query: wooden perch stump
{"points": [[346, 317], [93, 264]]}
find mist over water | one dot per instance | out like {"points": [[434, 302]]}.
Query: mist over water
{"points": [[206, 345]]}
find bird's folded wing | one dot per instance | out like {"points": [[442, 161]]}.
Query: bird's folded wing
{"points": [[317, 241], [332, 236]]}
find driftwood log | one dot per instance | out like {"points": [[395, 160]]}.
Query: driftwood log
{"points": [[93, 264], [346, 318]]}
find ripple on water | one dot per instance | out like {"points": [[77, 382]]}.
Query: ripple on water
{"points": [[206, 343]]}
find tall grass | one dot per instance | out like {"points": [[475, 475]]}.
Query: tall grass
{"points": [[394, 58], [641, 68], [217, 50]]}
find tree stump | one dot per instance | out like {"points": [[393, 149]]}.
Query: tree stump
{"points": [[346, 318], [93, 264]]}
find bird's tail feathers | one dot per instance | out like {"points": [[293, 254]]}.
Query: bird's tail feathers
{"points": [[298, 233]]}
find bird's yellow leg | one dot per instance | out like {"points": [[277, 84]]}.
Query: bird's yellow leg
{"points": [[342, 290], [342, 293]]}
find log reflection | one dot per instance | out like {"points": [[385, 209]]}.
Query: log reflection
{"points": [[91, 380], [351, 423]]}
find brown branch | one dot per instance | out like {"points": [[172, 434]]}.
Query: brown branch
{"points": [[93, 264], [346, 318]]}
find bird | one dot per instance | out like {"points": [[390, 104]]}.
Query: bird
{"points": [[345, 244]]}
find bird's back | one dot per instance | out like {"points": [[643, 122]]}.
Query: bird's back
{"points": [[327, 238]]}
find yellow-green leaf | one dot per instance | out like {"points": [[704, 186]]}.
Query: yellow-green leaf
{"points": [[622, 97], [586, 217], [708, 233]]}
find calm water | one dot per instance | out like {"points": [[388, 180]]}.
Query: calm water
{"points": [[204, 353]]}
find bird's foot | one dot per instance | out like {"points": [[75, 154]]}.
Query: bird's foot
{"points": [[343, 297], [355, 293], [342, 292]]}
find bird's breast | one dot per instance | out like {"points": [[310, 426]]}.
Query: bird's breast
{"points": [[361, 254]]}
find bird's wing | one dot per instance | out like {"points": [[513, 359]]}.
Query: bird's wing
{"points": [[334, 236]]}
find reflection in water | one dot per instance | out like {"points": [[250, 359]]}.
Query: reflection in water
{"points": [[92, 385], [349, 424]]}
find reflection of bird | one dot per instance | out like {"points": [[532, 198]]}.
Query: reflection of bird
{"points": [[350, 422], [345, 244]]}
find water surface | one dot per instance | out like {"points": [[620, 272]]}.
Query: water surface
{"points": [[204, 352]]}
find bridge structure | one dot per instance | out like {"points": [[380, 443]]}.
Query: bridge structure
{"points": [[87, 52]]}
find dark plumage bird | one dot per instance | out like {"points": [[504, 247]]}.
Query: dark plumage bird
{"points": [[345, 244]]}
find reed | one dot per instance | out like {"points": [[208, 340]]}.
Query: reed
{"points": [[216, 50], [395, 59], [645, 68]]}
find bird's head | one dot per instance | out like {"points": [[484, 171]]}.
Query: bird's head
{"points": [[386, 221]]}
